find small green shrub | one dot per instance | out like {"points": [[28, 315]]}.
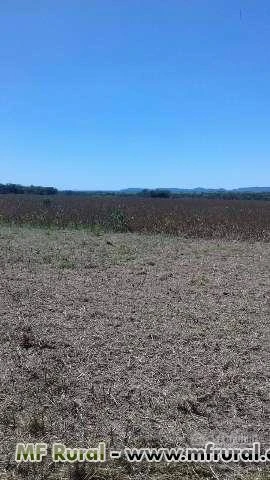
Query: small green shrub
{"points": [[118, 221]]}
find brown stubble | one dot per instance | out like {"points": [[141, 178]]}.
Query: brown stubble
{"points": [[132, 339]]}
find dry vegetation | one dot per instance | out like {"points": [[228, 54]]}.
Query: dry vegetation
{"points": [[201, 218], [133, 339]]}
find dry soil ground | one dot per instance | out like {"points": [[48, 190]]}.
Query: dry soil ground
{"points": [[135, 340]]}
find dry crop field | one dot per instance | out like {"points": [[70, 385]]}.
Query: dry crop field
{"points": [[201, 218], [137, 340]]}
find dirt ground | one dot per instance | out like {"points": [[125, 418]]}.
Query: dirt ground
{"points": [[135, 340]]}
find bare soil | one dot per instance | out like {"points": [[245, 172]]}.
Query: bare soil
{"points": [[135, 340]]}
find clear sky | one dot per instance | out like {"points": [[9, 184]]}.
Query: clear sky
{"points": [[108, 94]]}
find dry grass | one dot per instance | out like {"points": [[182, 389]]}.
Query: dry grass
{"points": [[135, 340]]}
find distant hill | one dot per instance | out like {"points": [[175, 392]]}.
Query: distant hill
{"points": [[135, 191], [130, 191], [253, 190], [243, 192]]}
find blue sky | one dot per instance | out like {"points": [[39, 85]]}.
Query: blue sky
{"points": [[107, 94]]}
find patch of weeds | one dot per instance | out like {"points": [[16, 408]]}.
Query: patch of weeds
{"points": [[26, 341], [27, 338], [78, 472], [258, 476], [118, 221], [50, 230], [66, 263], [97, 229], [44, 344], [108, 472], [124, 250], [36, 425], [47, 259], [200, 280], [8, 417], [121, 254]]}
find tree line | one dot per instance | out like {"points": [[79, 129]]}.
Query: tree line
{"points": [[12, 188], [20, 189]]}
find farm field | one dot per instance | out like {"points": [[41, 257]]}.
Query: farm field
{"points": [[186, 217], [136, 340]]}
